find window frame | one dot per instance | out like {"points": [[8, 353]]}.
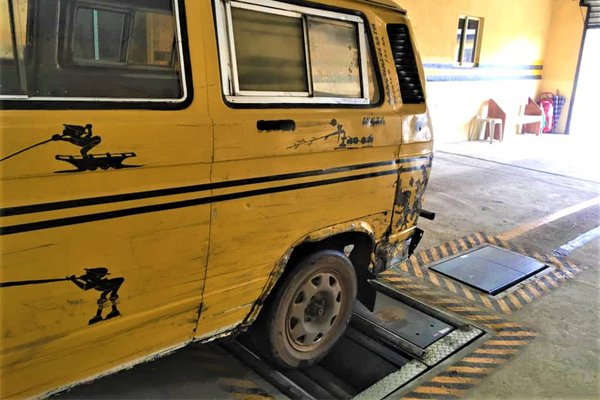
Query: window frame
{"points": [[228, 64], [463, 40], [182, 56]]}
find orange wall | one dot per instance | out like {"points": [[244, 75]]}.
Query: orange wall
{"points": [[514, 33], [562, 51], [519, 38]]}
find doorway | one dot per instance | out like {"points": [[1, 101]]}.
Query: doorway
{"points": [[585, 108]]}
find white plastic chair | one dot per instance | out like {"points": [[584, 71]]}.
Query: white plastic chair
{"points": [[481, 121]]}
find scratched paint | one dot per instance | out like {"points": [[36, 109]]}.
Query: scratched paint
{"points": [[373, 121], [381, 50], [192, 269], [411, 189], [344, 140]]}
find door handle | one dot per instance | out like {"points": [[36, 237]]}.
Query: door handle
{"points": [[276, 125]]}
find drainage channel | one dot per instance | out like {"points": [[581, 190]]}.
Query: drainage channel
{"points": [[380, 352]]}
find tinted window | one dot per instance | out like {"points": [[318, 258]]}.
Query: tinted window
{"points": [[113, 49], [286, 53], [337, 76], [13, 23], [270, 52]]}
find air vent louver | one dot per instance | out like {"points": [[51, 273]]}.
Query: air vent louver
{"points": [[406, 65]]}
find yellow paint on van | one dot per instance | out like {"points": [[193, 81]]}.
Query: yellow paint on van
{"points": [[192, 252]]}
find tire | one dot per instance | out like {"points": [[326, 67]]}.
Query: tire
{"points": [[309, 311]]}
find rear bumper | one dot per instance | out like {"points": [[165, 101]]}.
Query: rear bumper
{"points": [[392, 250]]}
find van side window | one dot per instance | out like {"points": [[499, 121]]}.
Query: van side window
{"points": [[13, 25], [270, 51], [337, 76], [286, 53], [112, 50]]}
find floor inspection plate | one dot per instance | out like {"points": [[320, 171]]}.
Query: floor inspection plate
{"points": [[490, 269]]}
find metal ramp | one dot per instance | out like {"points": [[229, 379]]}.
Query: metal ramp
{"points": [[381, 351]]}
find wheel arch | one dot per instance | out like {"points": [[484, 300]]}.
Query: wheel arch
{"points": [[360, 235]]}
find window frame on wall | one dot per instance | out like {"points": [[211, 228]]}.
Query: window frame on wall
{"points": [[462, 38], [65, 61], [228, 61]]}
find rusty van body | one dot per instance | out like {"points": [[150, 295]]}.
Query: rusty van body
{"points": [[172, 171]]}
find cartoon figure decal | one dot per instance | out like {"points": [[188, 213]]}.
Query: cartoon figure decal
{"points": [[93, 278], [343, 140], [83, 137]]}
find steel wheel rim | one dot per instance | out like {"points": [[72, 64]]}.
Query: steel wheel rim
{"points": [[314, 310]]}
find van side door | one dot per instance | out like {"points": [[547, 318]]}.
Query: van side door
{"points": [[303, 140]]}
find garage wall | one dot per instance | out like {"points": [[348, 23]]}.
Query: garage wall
{"points": [[562, 51], [513, 58]]}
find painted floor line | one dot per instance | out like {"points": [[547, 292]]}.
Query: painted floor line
{"points": [[547, 219], [576, 243]]}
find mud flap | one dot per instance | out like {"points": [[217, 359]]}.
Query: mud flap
{"points": [[415, 240], [366, 294]]}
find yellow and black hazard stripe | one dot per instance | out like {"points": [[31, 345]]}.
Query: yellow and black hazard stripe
{"points": [[417, 266], [508, 340], [468, 372]]}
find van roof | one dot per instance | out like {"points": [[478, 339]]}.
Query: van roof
{"points": [[385, 3]]}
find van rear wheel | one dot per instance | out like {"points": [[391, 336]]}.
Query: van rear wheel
{"points": [[310, 310]]}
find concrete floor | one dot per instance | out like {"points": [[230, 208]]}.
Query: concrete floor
{"points": [[494, 197], [523, 179]]}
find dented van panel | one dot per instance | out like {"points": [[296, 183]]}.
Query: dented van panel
{"points": [[157, 183]]}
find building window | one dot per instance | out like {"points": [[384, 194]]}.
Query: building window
{"points": [[468, 40], [283, 54]]}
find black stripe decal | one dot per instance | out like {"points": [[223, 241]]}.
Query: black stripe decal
{"points": [[467, 78], [485, 66], [35, 208], [54, 223]]}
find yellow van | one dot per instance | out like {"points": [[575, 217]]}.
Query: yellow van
{"points": [[169, 167]]}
